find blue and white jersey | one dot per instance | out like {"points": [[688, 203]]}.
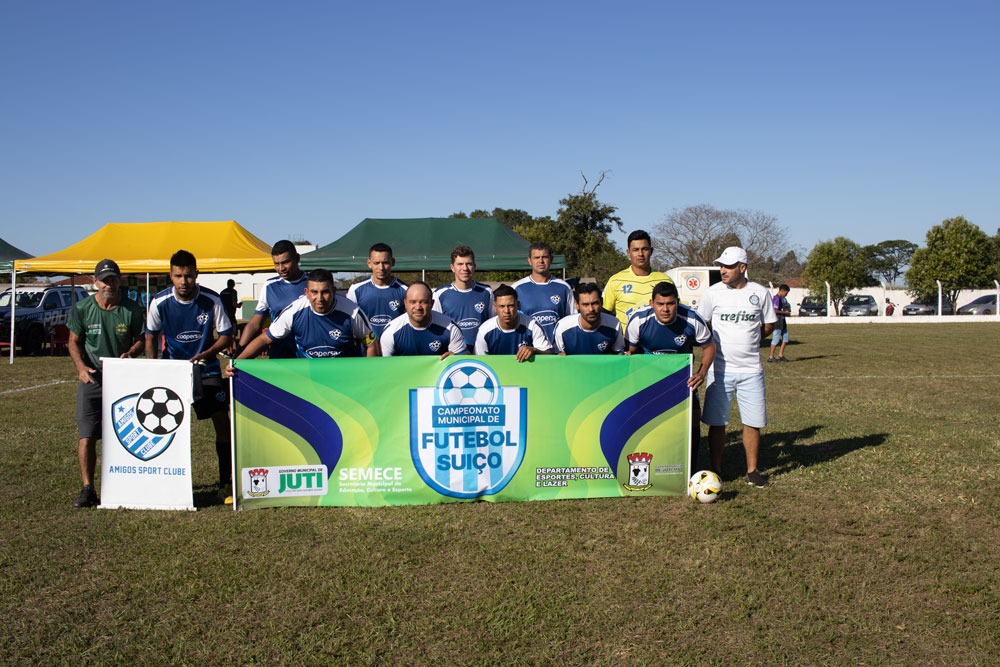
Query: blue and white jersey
{"points": [[547, 303], [571, 338], [466, 308], [187, 326], [342, 332], [651, 336], [381, 304], [493, 339], [402, 339], [277, 294]]}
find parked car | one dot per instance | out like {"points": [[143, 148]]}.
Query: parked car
{"points": [[37, 310], [858, 305], [812, 306], [918, 308], [984, 305]]}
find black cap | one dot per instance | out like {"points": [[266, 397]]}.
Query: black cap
{"points": [[105, 268]]}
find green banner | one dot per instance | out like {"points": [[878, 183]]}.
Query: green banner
{"points": [[418, 430]]}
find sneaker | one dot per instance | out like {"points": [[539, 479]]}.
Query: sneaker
{"points": [[780, 359], [88, 498], [754, 478], [770, 360], [225, 494]]}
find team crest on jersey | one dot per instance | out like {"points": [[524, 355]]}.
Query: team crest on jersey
{"points": [[145, 424], [394, 305], [680, 340], [754, 300], [334, 334], [603, 345], [468, 434], [480, 307], [435, 345], [555, 299], [202, 318]]}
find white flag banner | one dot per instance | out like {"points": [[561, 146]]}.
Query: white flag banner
{"points": [[146, 434]]}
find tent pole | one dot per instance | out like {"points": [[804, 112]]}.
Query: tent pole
{"points": [[13, 298], [423, 275]]}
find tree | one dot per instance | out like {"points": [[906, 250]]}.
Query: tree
{"points": [[888, 259], [959, 254], [840, 262], [580, 232], [696, 235]]}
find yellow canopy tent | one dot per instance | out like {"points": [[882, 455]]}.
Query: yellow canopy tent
{"points": [[146, 247]]}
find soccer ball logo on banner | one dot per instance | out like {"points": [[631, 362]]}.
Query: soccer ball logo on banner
{"points": [[146, 423], [159, 410], [468, 433], [462, 385]]}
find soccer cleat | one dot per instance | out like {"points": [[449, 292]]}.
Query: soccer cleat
{"points": [[770, 360], [88, 498], [754, 478], [780, 359]]}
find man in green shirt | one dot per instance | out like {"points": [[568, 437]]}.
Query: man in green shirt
{"points": [[104, 325]]}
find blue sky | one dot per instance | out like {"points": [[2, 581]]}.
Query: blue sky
{"points": [[871, 120]]}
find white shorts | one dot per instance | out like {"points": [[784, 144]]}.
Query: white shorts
{"points": [[750, 397]]}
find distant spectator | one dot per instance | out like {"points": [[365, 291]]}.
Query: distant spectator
{"points": [[780, 334], [230, 300]]}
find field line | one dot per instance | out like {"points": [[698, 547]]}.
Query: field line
{"points": [[37, 386], [890, 377]]}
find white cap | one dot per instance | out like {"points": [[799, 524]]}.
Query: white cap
{"points": [[732, 255]]}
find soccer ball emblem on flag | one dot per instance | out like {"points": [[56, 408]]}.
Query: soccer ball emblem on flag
{"points": [[159, 410]]}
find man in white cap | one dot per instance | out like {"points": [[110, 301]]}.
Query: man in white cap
{"points": [[736, 308]]}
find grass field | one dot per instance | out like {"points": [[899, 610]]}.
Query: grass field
{"points": [[876, 543]]}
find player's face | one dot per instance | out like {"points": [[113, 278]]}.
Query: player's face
{"points": [[184, 279], [321, 296], [381, 264], [589, 306], [664, 307], [108, 288], [463, 268], [506, 307], [540, 261], [418, 302], [732, 274], [639, 253], [286, 264]]}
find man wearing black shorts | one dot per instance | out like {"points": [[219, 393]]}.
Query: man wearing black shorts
{"points": [[189, 315]]}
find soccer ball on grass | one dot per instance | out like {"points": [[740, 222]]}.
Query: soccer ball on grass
{"points": [[705, 486]]}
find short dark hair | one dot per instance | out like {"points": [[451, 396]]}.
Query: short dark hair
{"points": [[785, 287], [320, 276], [540, 245], [230, 283], [184, 259], [421, 283], [462, 251], [380, 247], [638, 235], [585, 288], [283, 246], [664, 288], [504, 290]]}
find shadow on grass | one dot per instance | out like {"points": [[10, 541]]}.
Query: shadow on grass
{"points": [[206, 496], [781, 451]]}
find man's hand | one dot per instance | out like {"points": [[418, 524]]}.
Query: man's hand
{"points": [[86, 375], [525, 353]]}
